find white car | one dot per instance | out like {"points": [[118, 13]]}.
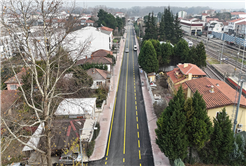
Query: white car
{"points": [[135, 48], [127, 50]]}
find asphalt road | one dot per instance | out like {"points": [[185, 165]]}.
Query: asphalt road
{"points": [[128, 142]]}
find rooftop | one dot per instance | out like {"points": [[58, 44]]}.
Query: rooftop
{"points": [[223, 94], [103, 73], [175, 75], [76, 106], [187, 68], [237, 13], [8, 97], [101, 53], [103, 60], [19, 75], [241, 23], [106, 29]]}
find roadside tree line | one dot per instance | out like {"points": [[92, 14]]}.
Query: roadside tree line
{"points": [[153, 54]]}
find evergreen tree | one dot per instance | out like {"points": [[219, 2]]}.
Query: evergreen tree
{"points": [[198, 125], [147, 58], [168, 25], [182, 51], [147, 26], [201, 126], [119, 23], [221, 142], [192, 56], [154, 30], [201, 55], [162, 29], [170, 132], [157, 47], [177, 30], [166, 52]]}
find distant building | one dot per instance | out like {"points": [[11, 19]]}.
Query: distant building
{"points": [[232, 24], [192, 26], [240, 28], [182, 14], [235, 15], [119, 14]]}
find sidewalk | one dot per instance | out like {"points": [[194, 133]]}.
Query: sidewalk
{"points": [[105, 117], [158, 156]]}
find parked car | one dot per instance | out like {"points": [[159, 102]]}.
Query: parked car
{"points": [[70, 158]]}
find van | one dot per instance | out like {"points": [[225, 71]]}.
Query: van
{"points": [[135, 48]]}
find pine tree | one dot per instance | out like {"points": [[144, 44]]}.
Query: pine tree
{"points": [[170, 132], [177, 30], [154, 30], [148, 27], [168, 24], [221, 142], [201, 126], [162, 29], [166, 52], [201, 55], [147, 58], [192, 56], [182, 51], [198, 125], [157, 47]]}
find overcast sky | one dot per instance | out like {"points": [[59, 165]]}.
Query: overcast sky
{"points": [[216, 4]]}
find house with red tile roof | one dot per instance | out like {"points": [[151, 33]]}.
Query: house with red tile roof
{"points": [[238, 15], [232, 24], [12, 83], [8, 99], [101, 53], [181, 74], [89, 22], [97, 60], [218, 95], [100, 77]]}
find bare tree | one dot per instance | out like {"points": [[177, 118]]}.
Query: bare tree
{"points": [[47, 51]]}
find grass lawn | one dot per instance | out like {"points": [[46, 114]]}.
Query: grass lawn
{"points": [[211, 60]]}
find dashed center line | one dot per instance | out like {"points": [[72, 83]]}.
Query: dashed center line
{"points": [[138, 134]]}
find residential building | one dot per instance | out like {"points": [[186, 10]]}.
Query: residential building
{"points": [[12, 83], [109, 32], [240, 29], [218, 95], [151, 77], [236, 15], [89, 23], [204, 16], [182, 14], [97, 60], [77, 108], [119, 14], [208, 19], [90, 39], [181, 74], [101, 53], [232, 24], [8, 98], [100, 77], [215, 26]]}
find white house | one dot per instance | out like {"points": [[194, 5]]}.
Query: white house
{"points": [[77, 108], [232, 23], [119, 14]]}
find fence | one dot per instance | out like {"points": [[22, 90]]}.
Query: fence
{"points": [[228, 38]]}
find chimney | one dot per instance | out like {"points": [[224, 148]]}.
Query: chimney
{"points": [[93, 70], [185, 65], [212, 89], [86, 57], [91, 56], [190, 76]]}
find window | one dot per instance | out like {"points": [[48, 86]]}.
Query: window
{"points": [[13, 87], [99, 83]]}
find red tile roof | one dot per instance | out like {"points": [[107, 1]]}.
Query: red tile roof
{"points": [[90, 21], [237, 13], [223, 94], [204, 14], [103, 73], [98, 60], [191, 68], [107, 29], [241, 23], [235, 20], [184, 86], [8, 97], [173, 76], [19, 75], [101, 52]]}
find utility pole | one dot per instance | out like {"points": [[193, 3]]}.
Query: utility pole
{"points": [[222, 47], [238, 103]]}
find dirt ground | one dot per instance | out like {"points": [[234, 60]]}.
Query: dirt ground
{"points": [[159, 90]]}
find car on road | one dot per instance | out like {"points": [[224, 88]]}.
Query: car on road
{"points": [[127, 50], [135, 48]]}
